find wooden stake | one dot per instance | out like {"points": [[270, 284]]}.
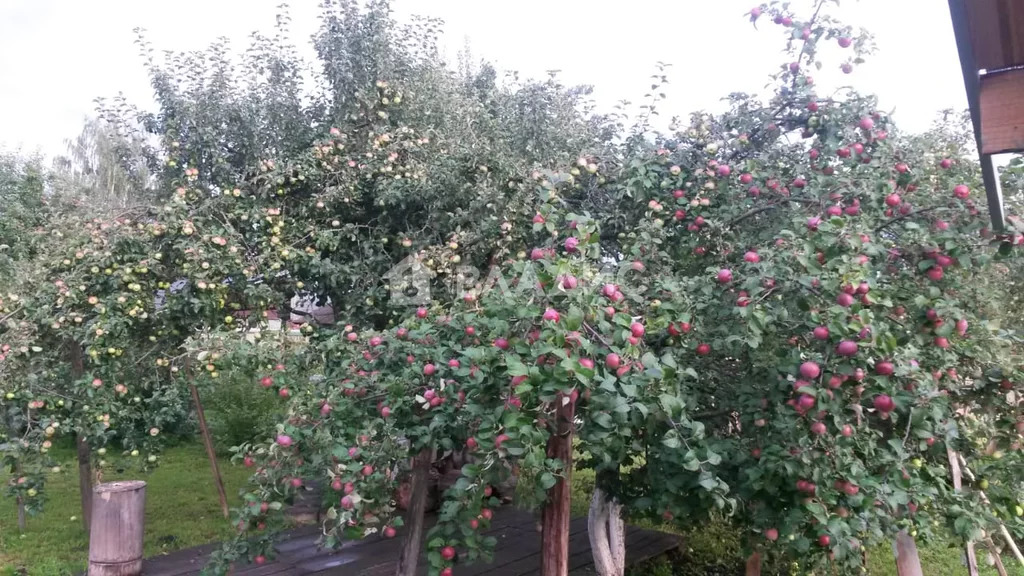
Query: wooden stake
{"points": [[908, 563], [954, 467], [554, 551], [414, 514], [211, 454], [115, 543]]}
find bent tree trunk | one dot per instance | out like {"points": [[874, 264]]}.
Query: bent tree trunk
{"points": [[407, 562], [554, 551], [607, 535]]}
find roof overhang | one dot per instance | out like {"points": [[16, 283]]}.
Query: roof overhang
{"points": [[990, 39]]}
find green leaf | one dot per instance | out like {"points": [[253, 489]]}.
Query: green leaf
{"points": [[671, 440]]}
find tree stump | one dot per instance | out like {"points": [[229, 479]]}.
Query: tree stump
{"points": [[118, 519]]}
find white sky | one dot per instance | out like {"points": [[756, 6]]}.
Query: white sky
{"points": [[56, 56]]}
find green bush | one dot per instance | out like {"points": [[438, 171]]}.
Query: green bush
{"points": [[238, 410]]}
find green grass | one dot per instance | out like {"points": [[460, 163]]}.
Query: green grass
{"points": [[181, 511]]}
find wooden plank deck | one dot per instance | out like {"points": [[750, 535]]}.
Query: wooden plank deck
{"points": [[516, 554]]}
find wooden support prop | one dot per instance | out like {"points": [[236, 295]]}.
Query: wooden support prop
{"points": [[118, 520], [753, 565], [204, 431], [995, 557], [908, 563], [554, 551], [1002, 527], [954, 467], [414, 515]]}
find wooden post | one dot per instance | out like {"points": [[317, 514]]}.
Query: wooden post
{"points": [[554, 550], [118, 520], [908, 563], [413, 544], [754, 565], [204, 431], [954, 467]]}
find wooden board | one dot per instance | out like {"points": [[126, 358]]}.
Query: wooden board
{"points": [[517, 553], [1001, 100]]}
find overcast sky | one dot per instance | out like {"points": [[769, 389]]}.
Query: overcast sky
{"points": [[56, 56]]}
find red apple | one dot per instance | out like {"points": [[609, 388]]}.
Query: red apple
{"points": [[810, 370], [847, 348], [884, 404]]}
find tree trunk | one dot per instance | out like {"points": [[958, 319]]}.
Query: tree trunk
{"points": [[606, 530], [21, 515], [754, 565], [554, 551], [413, 544], [207, 442], [85, 480], [115, 542], [83, 452], [907, 561]]}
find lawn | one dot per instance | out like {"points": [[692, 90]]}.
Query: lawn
{"points": [[181, 511]]}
